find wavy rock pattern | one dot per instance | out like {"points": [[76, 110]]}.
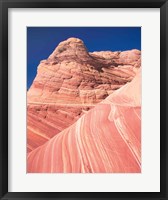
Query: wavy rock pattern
{"points": [[106, 139], [69, 83]]}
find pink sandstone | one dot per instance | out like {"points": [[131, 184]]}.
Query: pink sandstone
{"points": [[69, 83], [105, 139]]}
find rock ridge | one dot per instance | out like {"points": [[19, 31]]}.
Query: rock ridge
{"points": [[72, 81]]}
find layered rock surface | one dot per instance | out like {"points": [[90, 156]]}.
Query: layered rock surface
{"points": [[106, 139], [69, 83]]}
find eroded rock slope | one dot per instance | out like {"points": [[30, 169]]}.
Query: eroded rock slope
{"points": [[69, 83]]}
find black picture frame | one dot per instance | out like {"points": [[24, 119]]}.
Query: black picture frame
{"points": [[4, 5]]}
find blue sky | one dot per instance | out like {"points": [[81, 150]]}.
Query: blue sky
{"points": [[41, 41]]}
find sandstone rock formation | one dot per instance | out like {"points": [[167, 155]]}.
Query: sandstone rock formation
{"points": [[106, 139], [69, 83]]}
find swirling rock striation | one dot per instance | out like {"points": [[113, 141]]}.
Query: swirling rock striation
{"points": [[69, 83], [106, 139]]}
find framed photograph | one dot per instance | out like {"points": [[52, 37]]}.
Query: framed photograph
{"points": [[83, 92]]}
